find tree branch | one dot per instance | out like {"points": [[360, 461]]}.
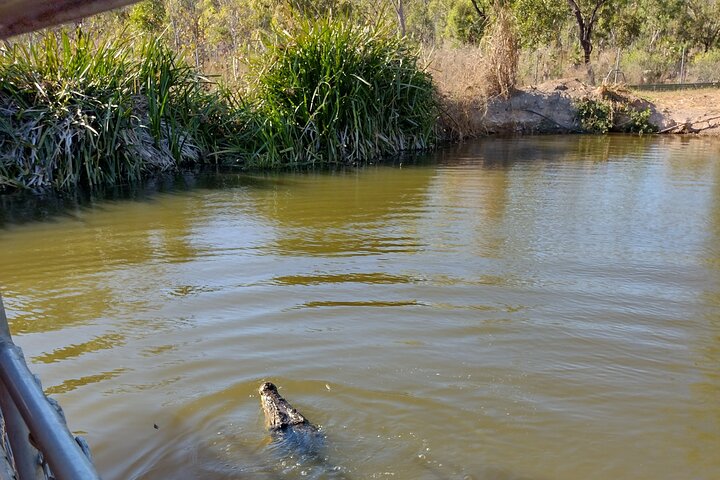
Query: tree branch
{"points": [[593, 18], [480, 12], [578, 15]]}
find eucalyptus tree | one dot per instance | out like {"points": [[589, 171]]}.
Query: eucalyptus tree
{"points": [[701, 24], [587, 14], [539, 21], [148, 16]]}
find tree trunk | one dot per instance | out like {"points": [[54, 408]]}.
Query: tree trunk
{"points": [[400, 11], [586, 25], [587, 49], [590, 74]]}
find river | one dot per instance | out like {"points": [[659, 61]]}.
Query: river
{"points": [[540, 308]]}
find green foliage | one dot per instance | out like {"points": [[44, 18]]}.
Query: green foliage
{"points": [[334, 92], [423, 23], [595, 116], [639, 120], [705, 66], [602, 116], [464, 23], [81, 111], [701, 23], [319, 8], [651, 66], [148, 16], [622, 25], [539, 21], [88, 112], [216, 35]]}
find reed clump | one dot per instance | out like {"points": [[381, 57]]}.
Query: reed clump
{"points": [[76, 111], [81, 112], [330, 91]]}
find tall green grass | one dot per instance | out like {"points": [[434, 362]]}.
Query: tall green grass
{"points": [[331, 91], [77, 111]]}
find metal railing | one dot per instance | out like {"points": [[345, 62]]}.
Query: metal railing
{"points": [[36, 440]]}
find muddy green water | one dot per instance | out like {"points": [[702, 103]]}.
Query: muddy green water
{"points": [[536, 309]]}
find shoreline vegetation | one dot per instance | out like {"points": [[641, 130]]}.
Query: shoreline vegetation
{"points": [[78, 111], [89, 110]]}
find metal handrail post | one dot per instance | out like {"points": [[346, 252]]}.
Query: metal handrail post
{"points": [[49, 432], [25, 457]]}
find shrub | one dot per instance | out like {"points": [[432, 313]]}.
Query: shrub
{"points": [[331, 91], [705, 66], [595, 116], [638, 120], [602, 116], [87, 112]]}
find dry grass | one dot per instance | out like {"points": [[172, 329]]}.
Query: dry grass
{"points": [[692, 103], [458, 73], [467, 77], [502, 53]]}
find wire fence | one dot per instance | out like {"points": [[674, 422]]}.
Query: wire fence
{"points": [[655, 87]]}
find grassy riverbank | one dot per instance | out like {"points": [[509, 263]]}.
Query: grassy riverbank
{"points": [[87, 112], [76, 110], [334, 92], [79, 111]]}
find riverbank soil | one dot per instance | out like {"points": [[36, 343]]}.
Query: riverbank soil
{"points": [[691, 111], [551, 108]]}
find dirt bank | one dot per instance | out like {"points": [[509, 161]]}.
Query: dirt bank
{"points": [[690, 111], [551, 107]]}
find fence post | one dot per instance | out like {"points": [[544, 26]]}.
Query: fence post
{"points": [[682, 66]]}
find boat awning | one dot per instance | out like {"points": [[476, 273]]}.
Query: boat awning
{"points": [[22, 16]]}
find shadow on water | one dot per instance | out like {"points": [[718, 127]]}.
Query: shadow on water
{"points": [[26, 207], [507, 152]]}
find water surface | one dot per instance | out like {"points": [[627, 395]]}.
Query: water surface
{"points": [[535, 308]]}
